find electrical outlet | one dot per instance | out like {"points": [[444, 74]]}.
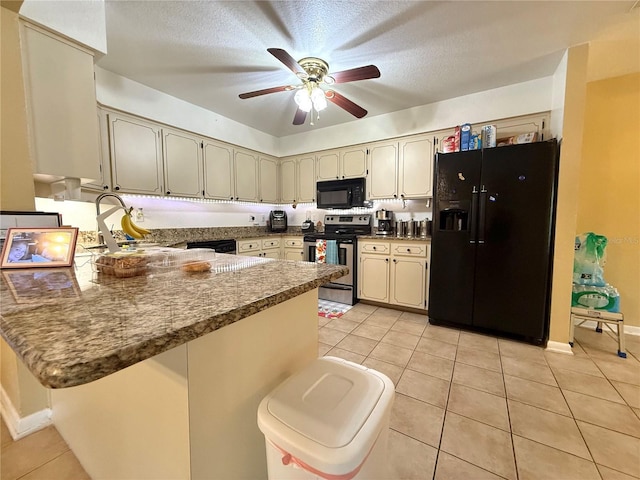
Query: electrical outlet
{"points": [[263, 219]]}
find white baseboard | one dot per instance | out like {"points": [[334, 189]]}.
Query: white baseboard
{"points": [[628, 329], [559, 347], [22, 426]]}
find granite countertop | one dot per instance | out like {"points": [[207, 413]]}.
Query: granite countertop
{"points": [[393, 238], [72, 326]]}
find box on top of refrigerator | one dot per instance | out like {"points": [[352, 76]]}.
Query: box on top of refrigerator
{"points": [[488, 136]]}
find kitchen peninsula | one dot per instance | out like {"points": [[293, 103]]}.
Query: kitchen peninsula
{"points": [[160, 376]]}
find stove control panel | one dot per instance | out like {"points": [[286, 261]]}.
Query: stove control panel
{"points": [[360, 219]]}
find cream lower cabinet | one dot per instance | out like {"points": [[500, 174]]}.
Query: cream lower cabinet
{"points": [[395, 273], [373, 271], [267, 247], [271, 247], [409, 279], [292, 248]]}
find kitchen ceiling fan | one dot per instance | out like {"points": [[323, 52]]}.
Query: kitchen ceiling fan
{"points": [[310, 95]]}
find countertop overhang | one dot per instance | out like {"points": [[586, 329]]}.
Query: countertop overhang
{"points": [[104, 324]]}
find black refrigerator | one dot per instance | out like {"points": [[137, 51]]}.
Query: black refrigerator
{"points": [[492, 239]]}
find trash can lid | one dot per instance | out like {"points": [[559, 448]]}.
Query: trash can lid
{"points": [[328, 402]]}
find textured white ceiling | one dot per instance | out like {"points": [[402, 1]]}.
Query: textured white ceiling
{"points": [[208, 52]]}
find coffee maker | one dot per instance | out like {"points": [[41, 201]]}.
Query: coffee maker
{"points": [[278, 221], [385, 222]]}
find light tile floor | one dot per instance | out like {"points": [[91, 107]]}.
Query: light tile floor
{"points": [[471, 406], [43, 455], [467, 406]]}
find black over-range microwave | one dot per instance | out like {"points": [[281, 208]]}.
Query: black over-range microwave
{"points": [[341, 193]]}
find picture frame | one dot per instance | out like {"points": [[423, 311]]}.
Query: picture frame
{"points": [[37, 286], [39, 247]]}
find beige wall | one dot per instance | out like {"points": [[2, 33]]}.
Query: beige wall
{"points": [[609, 198], [570, 164]]}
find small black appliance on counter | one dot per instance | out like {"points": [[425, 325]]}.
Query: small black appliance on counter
{"points": [[308, 226], [278, 221]]}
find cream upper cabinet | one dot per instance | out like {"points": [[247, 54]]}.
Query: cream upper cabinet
{"points": [[383, 170], [182, 163], [218, 170], [328, 165], [349, 162], [439, 136], [306, 179], [415, 167], [353, 161], [269, 179], [246, 175], [136, 155], [508, 127], [61, 103], [104, 181], [288, 180]]}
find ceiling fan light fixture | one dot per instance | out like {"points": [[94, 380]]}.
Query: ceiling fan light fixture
{"points": [[310, 97], [303, 100], [318, 99]]}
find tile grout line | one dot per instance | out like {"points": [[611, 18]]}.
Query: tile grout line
{"points": [[506, 401]]}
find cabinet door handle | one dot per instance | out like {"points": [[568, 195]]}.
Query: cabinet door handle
{"points": [[408, 249], [386, 260], [395, 261], [374, 248], [116, 188], [168, 193]]}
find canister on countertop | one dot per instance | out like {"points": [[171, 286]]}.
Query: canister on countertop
{"points": [[401, 228], [412, 228], [424, 228]]}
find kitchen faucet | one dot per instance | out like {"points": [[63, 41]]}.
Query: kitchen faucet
{"points": [[102, 228]]}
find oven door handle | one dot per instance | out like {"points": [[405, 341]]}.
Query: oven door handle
{"points": [[334, 286]]}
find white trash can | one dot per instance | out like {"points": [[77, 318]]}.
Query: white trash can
{"points": [[328, 421]]}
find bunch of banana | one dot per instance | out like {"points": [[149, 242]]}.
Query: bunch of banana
{"points": [[131, 228]]}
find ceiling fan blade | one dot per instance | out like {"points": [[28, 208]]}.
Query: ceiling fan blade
{"points": [[299, 117], [257, 93], [354, 74], [287, 59], [345, 103]]}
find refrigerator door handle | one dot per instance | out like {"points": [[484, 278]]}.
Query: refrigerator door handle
{"points": [[483, 212], [474, 215]]}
